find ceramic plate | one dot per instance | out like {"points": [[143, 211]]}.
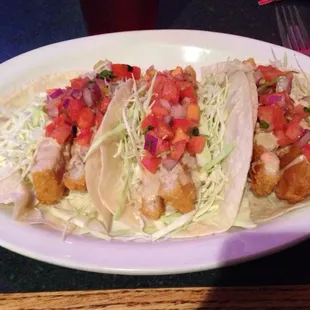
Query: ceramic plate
{"points": [[164, 49]]}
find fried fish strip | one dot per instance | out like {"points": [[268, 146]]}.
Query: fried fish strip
{"points": [[294, 184], [47, 171], [264, 171], [74, 177], [178, 189]]}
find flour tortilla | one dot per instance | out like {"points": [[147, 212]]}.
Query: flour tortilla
{"points": [[242, 103], [255, 210], [108, 170]]}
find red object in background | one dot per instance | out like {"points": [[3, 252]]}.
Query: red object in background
{"points": [[103, 16], [263, 2]]}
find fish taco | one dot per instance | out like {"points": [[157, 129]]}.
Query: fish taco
{"points": [[47, 129], [175, 156], [280, 171]]}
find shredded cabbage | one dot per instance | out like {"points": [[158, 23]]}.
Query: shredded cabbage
{"points": [[213, 91], [19, 137]]}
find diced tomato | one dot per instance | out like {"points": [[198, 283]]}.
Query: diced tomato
{"points": [[86, 118], [306, 151], [149, 121], [290, 107], [273, 115], [61, 133], [79, 83], [62, 119], [179, 136], [99, 117], [136, 71], [49, 128], [294, 131], [120, 71], [158, 85], [184, 124], [283, 140], [270, 73], [150, 162], [193, 112], [162, 146], [126, 71], [196, 144], [84, 137], [158, 110], [163, 130], [265, 113], [170, 91], [74, 108], [299, 110], [186, 90], [104, 104], [278, 119], [178, 149]]}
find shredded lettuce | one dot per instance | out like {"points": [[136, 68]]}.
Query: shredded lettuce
{"points": [[217, 159], [213, 92], [96, 144], [178, 223], [19, 137]]}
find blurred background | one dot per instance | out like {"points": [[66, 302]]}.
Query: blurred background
{"points": [[28, 24]]}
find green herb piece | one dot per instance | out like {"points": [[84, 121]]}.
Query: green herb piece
{"points": [[195, 131], [106, 74], [268, 84], [263, 124], [148, 128], [306, 109]]}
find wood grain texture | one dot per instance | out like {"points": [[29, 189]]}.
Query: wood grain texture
{"points": [[250, 298]]}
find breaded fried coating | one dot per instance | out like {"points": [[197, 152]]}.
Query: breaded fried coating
{"points": [[294, 184], [288, 154], [48, 170], [153, 207], [178, 189], [264, 171], [48, 186], [74, 178], [75, 184]]}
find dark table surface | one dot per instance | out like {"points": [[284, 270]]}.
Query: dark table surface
{"points": [[28, 24]]}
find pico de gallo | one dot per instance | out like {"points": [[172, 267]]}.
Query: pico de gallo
{"points": [[171, 126], [277, 111], [282, 132], [78, 109]]}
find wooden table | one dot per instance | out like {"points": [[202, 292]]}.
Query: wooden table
{"points": [[250, 298]]}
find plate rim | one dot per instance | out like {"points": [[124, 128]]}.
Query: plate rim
{"points": [[145, 271]]}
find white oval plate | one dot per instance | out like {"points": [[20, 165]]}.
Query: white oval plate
{"points": [[165, 49]]}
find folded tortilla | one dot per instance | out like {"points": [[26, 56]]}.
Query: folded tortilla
{"points": [[242, 105], [242, 108], [63, 215], [255, 210]]}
